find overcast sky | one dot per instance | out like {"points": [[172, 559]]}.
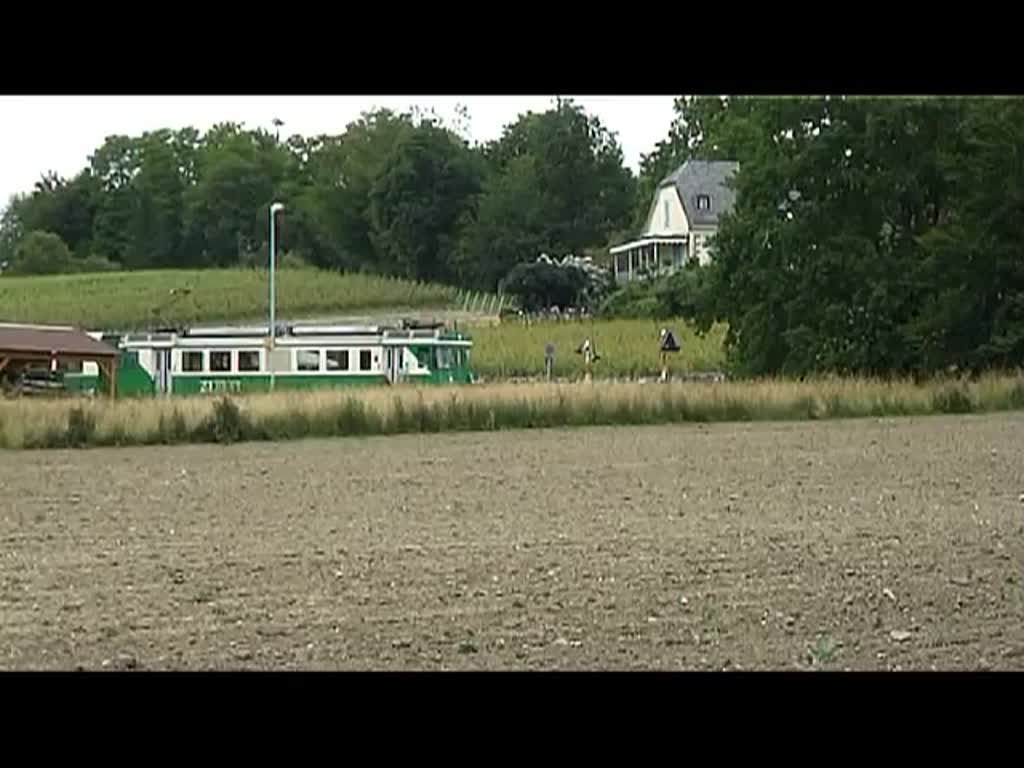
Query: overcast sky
{"points": [[43, 133]]}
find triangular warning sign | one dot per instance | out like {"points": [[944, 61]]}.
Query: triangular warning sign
{"points": [[668, 342]]}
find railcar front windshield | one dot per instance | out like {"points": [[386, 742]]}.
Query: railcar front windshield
{"points": [[445, 358]]}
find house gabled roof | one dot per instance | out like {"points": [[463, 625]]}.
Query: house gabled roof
{"points": [[703, 177]]}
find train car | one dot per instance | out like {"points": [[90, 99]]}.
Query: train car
{"points": [[238, 359]]}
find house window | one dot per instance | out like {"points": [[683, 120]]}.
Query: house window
{"points": [[249, 360], [220, 361], [703, 202], [337, 359], [364, 360], [192, 362], [665, 207], [307, 360]]}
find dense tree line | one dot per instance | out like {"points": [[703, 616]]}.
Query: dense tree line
{"points": [[870, 235], [395, 194]]}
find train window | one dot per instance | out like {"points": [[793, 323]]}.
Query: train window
{"points": [[220, 361], [364, 359], [443, 358], [192, 361], [249, 360], [337, 359], [307, 360]]}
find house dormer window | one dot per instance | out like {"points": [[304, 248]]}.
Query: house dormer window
{"points": [[703, 202]]}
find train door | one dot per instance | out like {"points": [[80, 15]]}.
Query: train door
{"points": [[393, 364], [162, 370]]}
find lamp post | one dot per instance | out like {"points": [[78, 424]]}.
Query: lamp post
{"points": [[274, 210]]}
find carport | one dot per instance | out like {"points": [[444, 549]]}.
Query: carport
{"points": [[25, 344]]}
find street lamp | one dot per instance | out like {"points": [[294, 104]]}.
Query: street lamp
{"points": [[274, 210]]}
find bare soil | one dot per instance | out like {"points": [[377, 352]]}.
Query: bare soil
{"points": [[872, 544]]}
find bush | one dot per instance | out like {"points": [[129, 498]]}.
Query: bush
{"points": [[81, 429], [952, 399], [226, 425], [681, 294], [41, 253], [1016, 397], [173, 429], [542, 284], [93, 264], [635, 300], [286, 260]]}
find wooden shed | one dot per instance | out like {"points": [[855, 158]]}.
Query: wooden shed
{"points": [[23, 345]]}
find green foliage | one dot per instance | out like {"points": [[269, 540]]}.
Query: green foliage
{"points": [[683, 293], [508, 226], [226, 424], [539, 285], [556, 185], [870, 235], [40, 253], [952, 399], [417, 199], [93, 264], [172, 429], [634, 300], [396, 194], [81, 430]]}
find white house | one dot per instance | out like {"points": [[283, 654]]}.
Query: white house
{"points": [[682, 219]]}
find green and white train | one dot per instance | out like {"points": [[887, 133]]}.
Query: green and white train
{"points": [[240, 360]]}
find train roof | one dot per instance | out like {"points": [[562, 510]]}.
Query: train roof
{"points": [[408, 329]]}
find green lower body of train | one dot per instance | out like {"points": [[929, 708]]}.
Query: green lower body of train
{"points": [[133, 380]]}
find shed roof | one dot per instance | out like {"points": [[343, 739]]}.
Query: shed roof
{"points": [[58, 341], [704, 177]]}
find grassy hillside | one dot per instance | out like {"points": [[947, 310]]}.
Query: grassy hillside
{"points": [[130, 300]]}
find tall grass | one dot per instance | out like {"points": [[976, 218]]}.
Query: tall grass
{"points": [[627, 348], [384, 410], [135, 300]]}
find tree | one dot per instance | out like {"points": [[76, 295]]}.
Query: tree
{"points": [[974, 317], [583, 187], [156, 205], [556, 184], [240, 174], [507, 227], [823, 264], [40, 253], [420, 195], [66, 208], [343, 170]]}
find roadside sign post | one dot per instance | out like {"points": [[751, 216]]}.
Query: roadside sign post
{"points": [[668, 345], [549, 360]]}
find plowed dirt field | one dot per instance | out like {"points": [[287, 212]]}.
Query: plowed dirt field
{"points": [[871, 544]]}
